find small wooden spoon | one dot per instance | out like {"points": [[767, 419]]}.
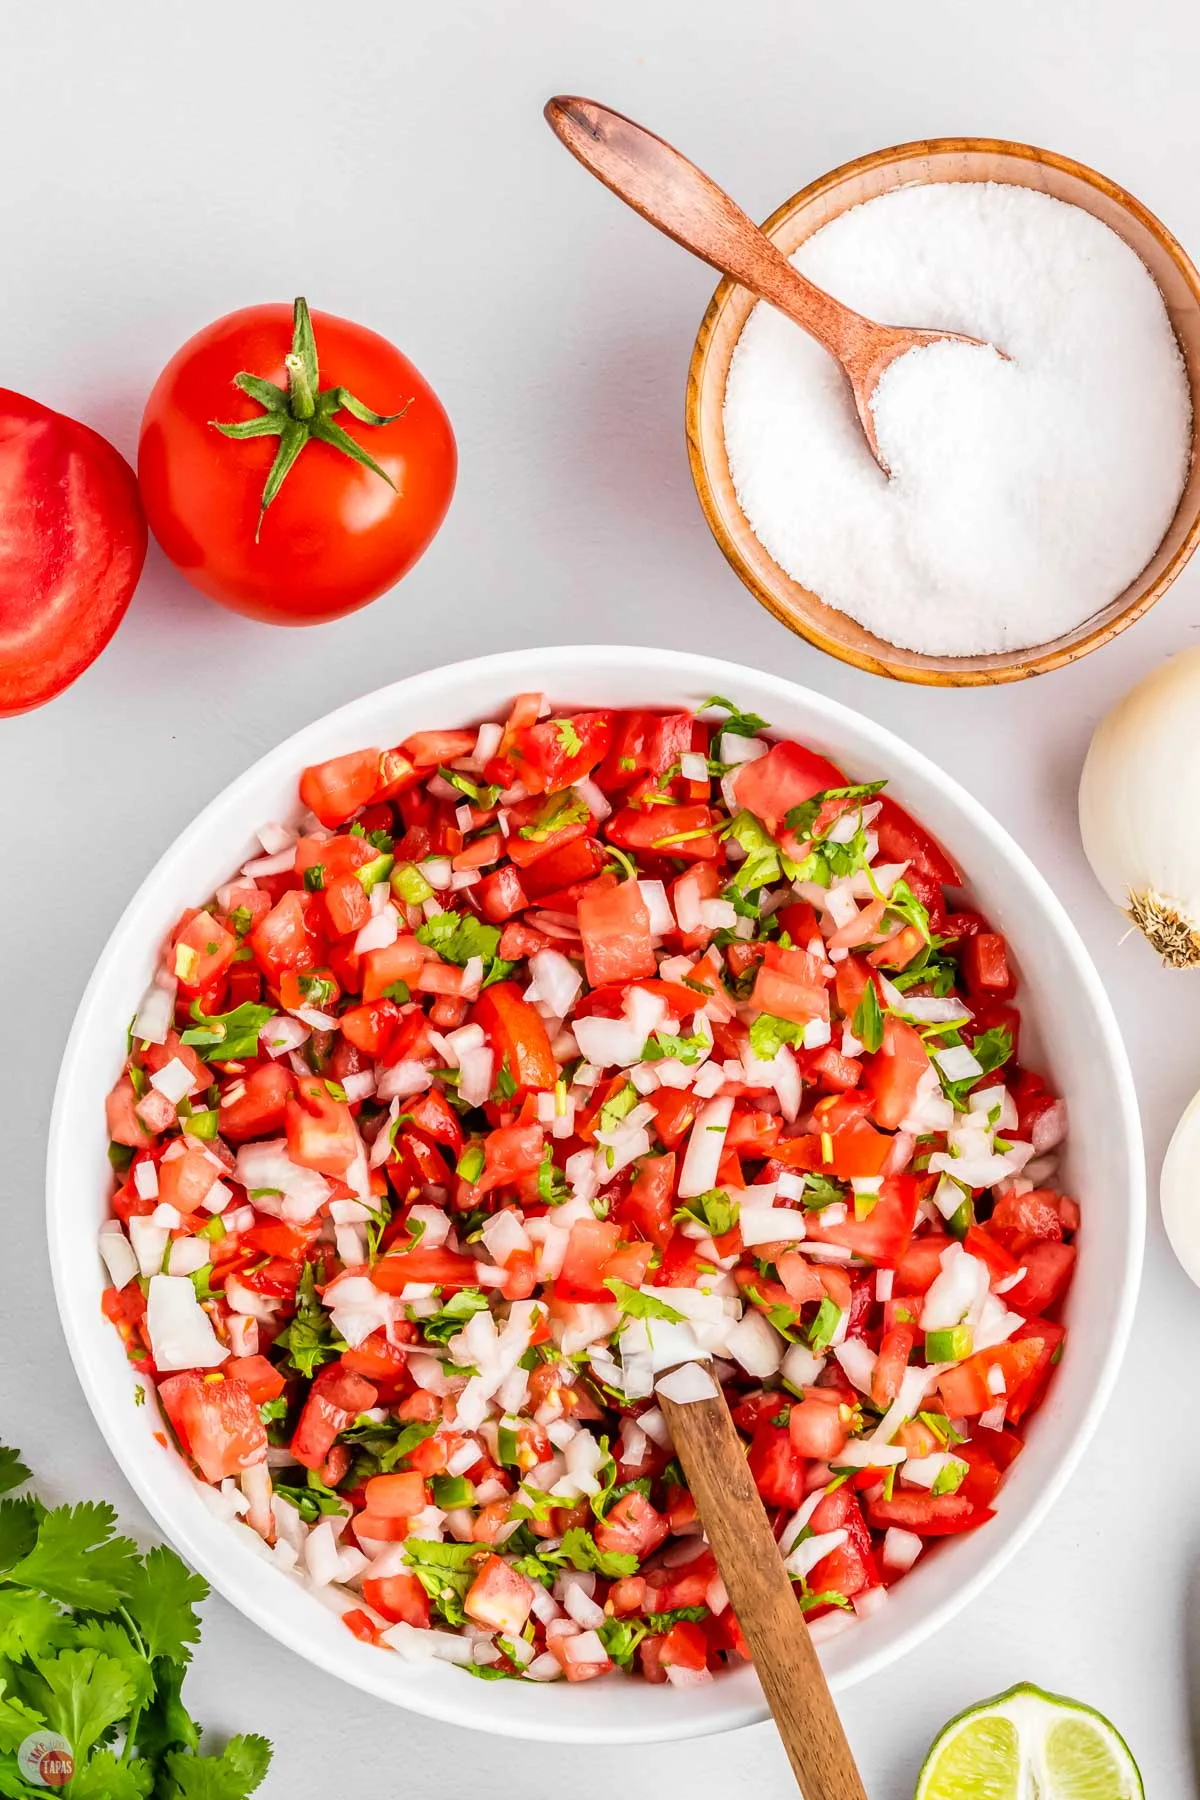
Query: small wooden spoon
{"points": [[761, 1594], [673, 194]]}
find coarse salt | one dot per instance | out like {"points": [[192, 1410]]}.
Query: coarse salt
{"points": [[1024, 494]]}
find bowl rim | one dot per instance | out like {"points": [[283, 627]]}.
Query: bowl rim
{"points": [[972, 672], [361, 1665]]}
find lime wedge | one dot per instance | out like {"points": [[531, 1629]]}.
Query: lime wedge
{"points": [[1026, 1742]]}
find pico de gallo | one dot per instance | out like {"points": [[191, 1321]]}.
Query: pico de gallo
{"points": [[537, 1062]]}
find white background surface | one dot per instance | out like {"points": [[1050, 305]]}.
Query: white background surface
{"points": [[164, 164]]}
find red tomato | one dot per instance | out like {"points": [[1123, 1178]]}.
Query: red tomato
{"points": [[615, 926], [321, 1133], [901, 839], [1048, 1270], [555, 753], [335, 1399], [517, 1032], [929, 1515], [260, 1108], [777, 1467], [983, 960], [393, 1272], [785, 777], [217, 1423], [74, 545], [649, 1206], [967, 1390], [815, 1425], [261, 1378], [400, 1598], [893, 1073], [683, 831], [203, 951], [335, 790], [339, 532], [883, 1236], [790, 985], [632, 1527]]}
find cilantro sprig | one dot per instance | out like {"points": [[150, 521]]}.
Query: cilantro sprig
{"points": [[95, 1640]]}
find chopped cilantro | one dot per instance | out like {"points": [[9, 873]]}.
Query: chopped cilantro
{"points": [[768, 1035], [738, 724], [801, 819], [568, 737], [867, 1024], [636, 1305], [714, 1209], [457, 937], [458, 1309], [560, 810], [309, 1339], [314, 878], [226, 1037], [823, 1327], [681, 1049], [504, 1086]]}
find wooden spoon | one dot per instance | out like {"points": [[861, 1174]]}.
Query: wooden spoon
{"points": [[761, 1594], [675, 195]]}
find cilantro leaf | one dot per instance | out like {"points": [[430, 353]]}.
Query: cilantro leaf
{"points": [[616, 1108], [714, 1209], [18, 1530], [867, 1023], [104, 1777], [808, 1601], [226, 1037], [16, 1720], [163, 1595], [738, 724], [568, 737], [820, 1191], [30, 1624], [457, 937], [309, 1338], [903, 903], [636, 1305], [240, 1768], [560, 810], [166, 1723], [77, 1560], [111, 1638], [13, 1473], [82, 1693], [460, 1307], [682, 1049], [581, 1550], [768, 1035], [763, 859], [801, 819]]}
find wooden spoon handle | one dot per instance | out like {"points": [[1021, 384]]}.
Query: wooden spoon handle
{"points": [[762, 1596], [672, 193]]}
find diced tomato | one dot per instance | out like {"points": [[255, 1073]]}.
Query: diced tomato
{"points": [[675, 1112], [815, 1425], [517, 1034], [678, 831], [184, 1182], [921, 1265], [988, 1378], [499, 1598], [632, 1527], [203, 951], [445, 1268], [501, 894], [1048, 1339], [335, 790], [893, 1074], [396, 1496], [891, 1365], [785, 777], [347, 906], [556, 753], [400, 1598], [901, 839], [260, 1108], [321, 1133], [614, 923], [1048, 1271], [881, 1237], [777, 1467], [649, 1206], [928, 1515], [644, 743], [335, 1399], [371, 1027], [261, 1378], [216, 1421], [400, 961], [851, 1567], [984, 963], [685, 1646], [288, 938], [790, 984]]}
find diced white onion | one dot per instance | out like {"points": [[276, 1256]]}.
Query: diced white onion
{"points": [[174, 1080], [687, 1384], [118, 1255], [181, 1333]]}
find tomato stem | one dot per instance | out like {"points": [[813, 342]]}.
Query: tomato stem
{"points": [[302, 411]]}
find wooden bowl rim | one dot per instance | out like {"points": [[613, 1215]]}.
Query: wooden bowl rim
{"points": [[1003, 666]]}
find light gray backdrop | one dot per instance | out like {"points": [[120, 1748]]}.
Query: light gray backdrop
{"points": [[166, 163]]}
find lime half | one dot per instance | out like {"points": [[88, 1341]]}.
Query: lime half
{"points": [[1027, 1745]]}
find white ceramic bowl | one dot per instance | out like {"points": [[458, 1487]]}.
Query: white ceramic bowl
{"points": [[1077, 1039]]}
